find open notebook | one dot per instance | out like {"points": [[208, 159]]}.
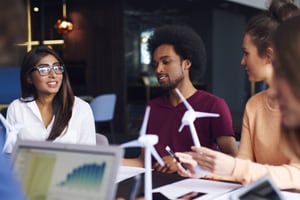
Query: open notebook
{"points": [[59, 171]]}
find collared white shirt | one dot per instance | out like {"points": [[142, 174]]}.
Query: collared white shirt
{"points": [[81, 128]]}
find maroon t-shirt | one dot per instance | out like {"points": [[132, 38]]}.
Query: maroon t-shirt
{"points": [[165, 120]]}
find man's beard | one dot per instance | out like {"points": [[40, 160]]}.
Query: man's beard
{"points": [[172, 84]]}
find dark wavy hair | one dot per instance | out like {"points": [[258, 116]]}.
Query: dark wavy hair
{"points": [[261, 27], [187, 44], [63, 100]]}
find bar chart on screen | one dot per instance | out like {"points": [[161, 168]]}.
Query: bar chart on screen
{"points": [[85, 177]]}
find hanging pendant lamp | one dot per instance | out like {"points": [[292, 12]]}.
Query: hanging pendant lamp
{"points": [[64, 25]]}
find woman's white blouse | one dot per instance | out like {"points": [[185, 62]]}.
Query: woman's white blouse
{"points": [[80, 130]]}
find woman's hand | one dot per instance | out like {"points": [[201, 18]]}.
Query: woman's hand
{"points": [[189, 163], [213, 161]]}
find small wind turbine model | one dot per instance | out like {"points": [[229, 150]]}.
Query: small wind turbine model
{"points": [[11, 134], [188, 120], [148, 141], [189, 117]]}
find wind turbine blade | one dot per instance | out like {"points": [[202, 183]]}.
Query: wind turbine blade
{"points": [[145, 121], [156, 156], [181, 127], [133, 143], [205, 114], [4, 122], [187, 105]]}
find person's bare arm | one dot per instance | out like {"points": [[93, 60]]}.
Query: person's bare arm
{"points": [[135, 162]]}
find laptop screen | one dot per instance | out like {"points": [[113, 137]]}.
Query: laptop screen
{"points": [[57, 171], [261, 189]]}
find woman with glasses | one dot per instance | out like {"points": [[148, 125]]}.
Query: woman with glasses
{"points": [[48, 109]]}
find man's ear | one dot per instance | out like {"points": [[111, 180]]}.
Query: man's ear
{"points": [[187, 64]]}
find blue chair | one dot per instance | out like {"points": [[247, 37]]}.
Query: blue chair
{"points": [[10, 87], [103, 107]]}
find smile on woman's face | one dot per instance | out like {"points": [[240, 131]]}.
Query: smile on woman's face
{"points": [[48, 84]]}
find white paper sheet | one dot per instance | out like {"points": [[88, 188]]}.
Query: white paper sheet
{"points": [[286, 196], [126, 172], [290, 195], [212, 189]]}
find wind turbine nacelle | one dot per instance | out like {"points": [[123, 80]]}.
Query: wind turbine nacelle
{"points": [[148, 139], [189, 116]]}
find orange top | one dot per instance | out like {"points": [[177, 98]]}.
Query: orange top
{"points": [[263, 150], [262, 143]]}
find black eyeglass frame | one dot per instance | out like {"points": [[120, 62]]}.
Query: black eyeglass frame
{"points": [[58, 69]]}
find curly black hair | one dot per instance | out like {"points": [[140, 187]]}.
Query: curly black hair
{"points": [[187, 44]]}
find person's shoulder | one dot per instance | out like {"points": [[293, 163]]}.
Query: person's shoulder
{"points": [[80, 102], [81, 105], [256, 99], [16, 106], [16, 102]]}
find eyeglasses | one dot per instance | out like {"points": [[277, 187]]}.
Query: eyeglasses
{"points": [[44, 69]]}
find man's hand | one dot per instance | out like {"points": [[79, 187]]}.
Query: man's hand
{"points": [[170, 165]]}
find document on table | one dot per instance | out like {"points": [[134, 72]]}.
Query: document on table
{"points": [[126, 172], [286, 195], [290, 195], [198, 188]]}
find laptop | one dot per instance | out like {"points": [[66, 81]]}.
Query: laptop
{"points": [[57, 171], [262, 189]]}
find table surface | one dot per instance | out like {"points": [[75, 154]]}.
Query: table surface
{"points": [[158, 179]]}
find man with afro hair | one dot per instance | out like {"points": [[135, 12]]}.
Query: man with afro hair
{"points": [[178, 55]]}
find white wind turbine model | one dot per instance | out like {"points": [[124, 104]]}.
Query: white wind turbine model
{"points": [[11, 134], [147, 141], [188, 120]]}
